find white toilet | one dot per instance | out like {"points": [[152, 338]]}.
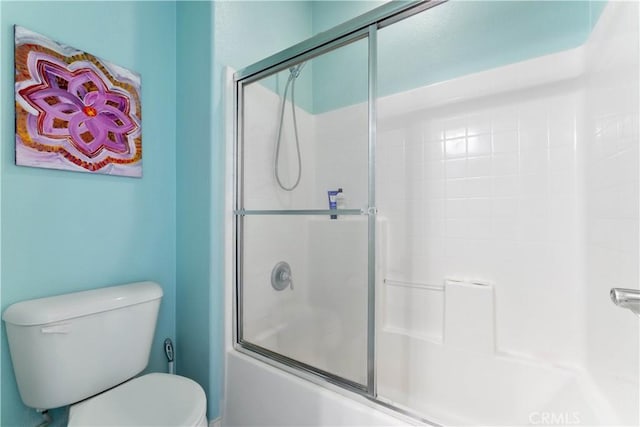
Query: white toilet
{"points": [[86, 347]]}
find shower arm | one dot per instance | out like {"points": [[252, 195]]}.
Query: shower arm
{"points": [[626, 298]]}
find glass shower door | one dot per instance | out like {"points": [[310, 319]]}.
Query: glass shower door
{"points": [[507, 186], [302, 268]]}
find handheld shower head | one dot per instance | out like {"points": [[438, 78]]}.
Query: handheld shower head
{"points": [[295, 70]]}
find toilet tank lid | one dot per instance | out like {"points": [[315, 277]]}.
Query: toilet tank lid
{"points": [[42, 311]]}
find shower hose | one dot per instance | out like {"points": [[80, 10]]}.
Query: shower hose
{"points": [[294, 72]]}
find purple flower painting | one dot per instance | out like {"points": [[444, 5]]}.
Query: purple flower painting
{"points": [[75, 111]]}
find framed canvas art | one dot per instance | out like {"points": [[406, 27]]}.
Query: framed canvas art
{"points": [[75, 111]]}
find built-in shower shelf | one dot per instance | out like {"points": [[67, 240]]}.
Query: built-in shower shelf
{"points": [[425, 286], [246, 212], [429, 337]]}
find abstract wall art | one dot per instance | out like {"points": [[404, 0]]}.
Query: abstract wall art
{"points": [[75, 111]]}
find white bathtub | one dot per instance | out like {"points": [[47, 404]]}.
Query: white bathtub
{"points": [[260, 395]]}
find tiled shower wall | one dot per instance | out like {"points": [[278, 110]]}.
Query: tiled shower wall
{"points": [[612, 203], [271, 239], [482, 189], [324, 314], [502, 177]]}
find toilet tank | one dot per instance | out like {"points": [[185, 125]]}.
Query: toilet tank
{"points": [[69, 347]]}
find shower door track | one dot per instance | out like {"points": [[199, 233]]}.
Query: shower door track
{"points": [[364, 26], [381, 17]]}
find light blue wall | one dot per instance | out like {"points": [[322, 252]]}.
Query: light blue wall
{"points": [[451, 40], [193, 168], [319, 16], [241, 33], [294, 17], [65, 231], [328, 14]]}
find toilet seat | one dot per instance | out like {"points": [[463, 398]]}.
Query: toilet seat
{"points": [[150, 400]]}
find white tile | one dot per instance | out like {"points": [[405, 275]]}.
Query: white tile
{"points": [[562, 182], [479, 124], [534, 161], [433, 169], [628, 201], [505, 164], [505, 141], [562, 158], [479, 166], [434, 228], [479, 145], [533, 115], [562, 134], [533, 139], [506, 186], [533, 206], [456, 188], [479, 207], [479, 187], [434, 150], [434, 189], [457, 208], [504, 207], [505, 229], [456, 168], [533, 184], [455, 128], [456, 147], [434, 208], [432, 131], [533, 230], [479, 229], [504, 119], [456, 228]]}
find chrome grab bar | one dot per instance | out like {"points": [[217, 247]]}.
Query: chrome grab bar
{"points": [[626, 298]]}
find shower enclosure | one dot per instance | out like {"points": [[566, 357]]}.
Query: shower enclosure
{"points": [[487, 156]]}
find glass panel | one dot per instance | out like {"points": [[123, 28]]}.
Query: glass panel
{"points": [[332, 150], [507, 191], [320, 317]]}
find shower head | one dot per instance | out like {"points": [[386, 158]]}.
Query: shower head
{"points": [[295, 70]]}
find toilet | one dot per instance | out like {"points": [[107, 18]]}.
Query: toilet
{"points": [[85, 349]]}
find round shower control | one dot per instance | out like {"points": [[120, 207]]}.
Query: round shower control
{"points": [[281, 276]]}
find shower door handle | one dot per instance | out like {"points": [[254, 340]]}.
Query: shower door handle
{"points": [[626, 298]]}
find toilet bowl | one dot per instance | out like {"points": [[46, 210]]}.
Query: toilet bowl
{"points": [[149, 400]]}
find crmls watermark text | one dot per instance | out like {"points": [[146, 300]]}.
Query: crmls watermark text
{"points": [[545, 418]]}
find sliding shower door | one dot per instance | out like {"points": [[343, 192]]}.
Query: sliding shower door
{"points": [[302, 214], [507, 181]]}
